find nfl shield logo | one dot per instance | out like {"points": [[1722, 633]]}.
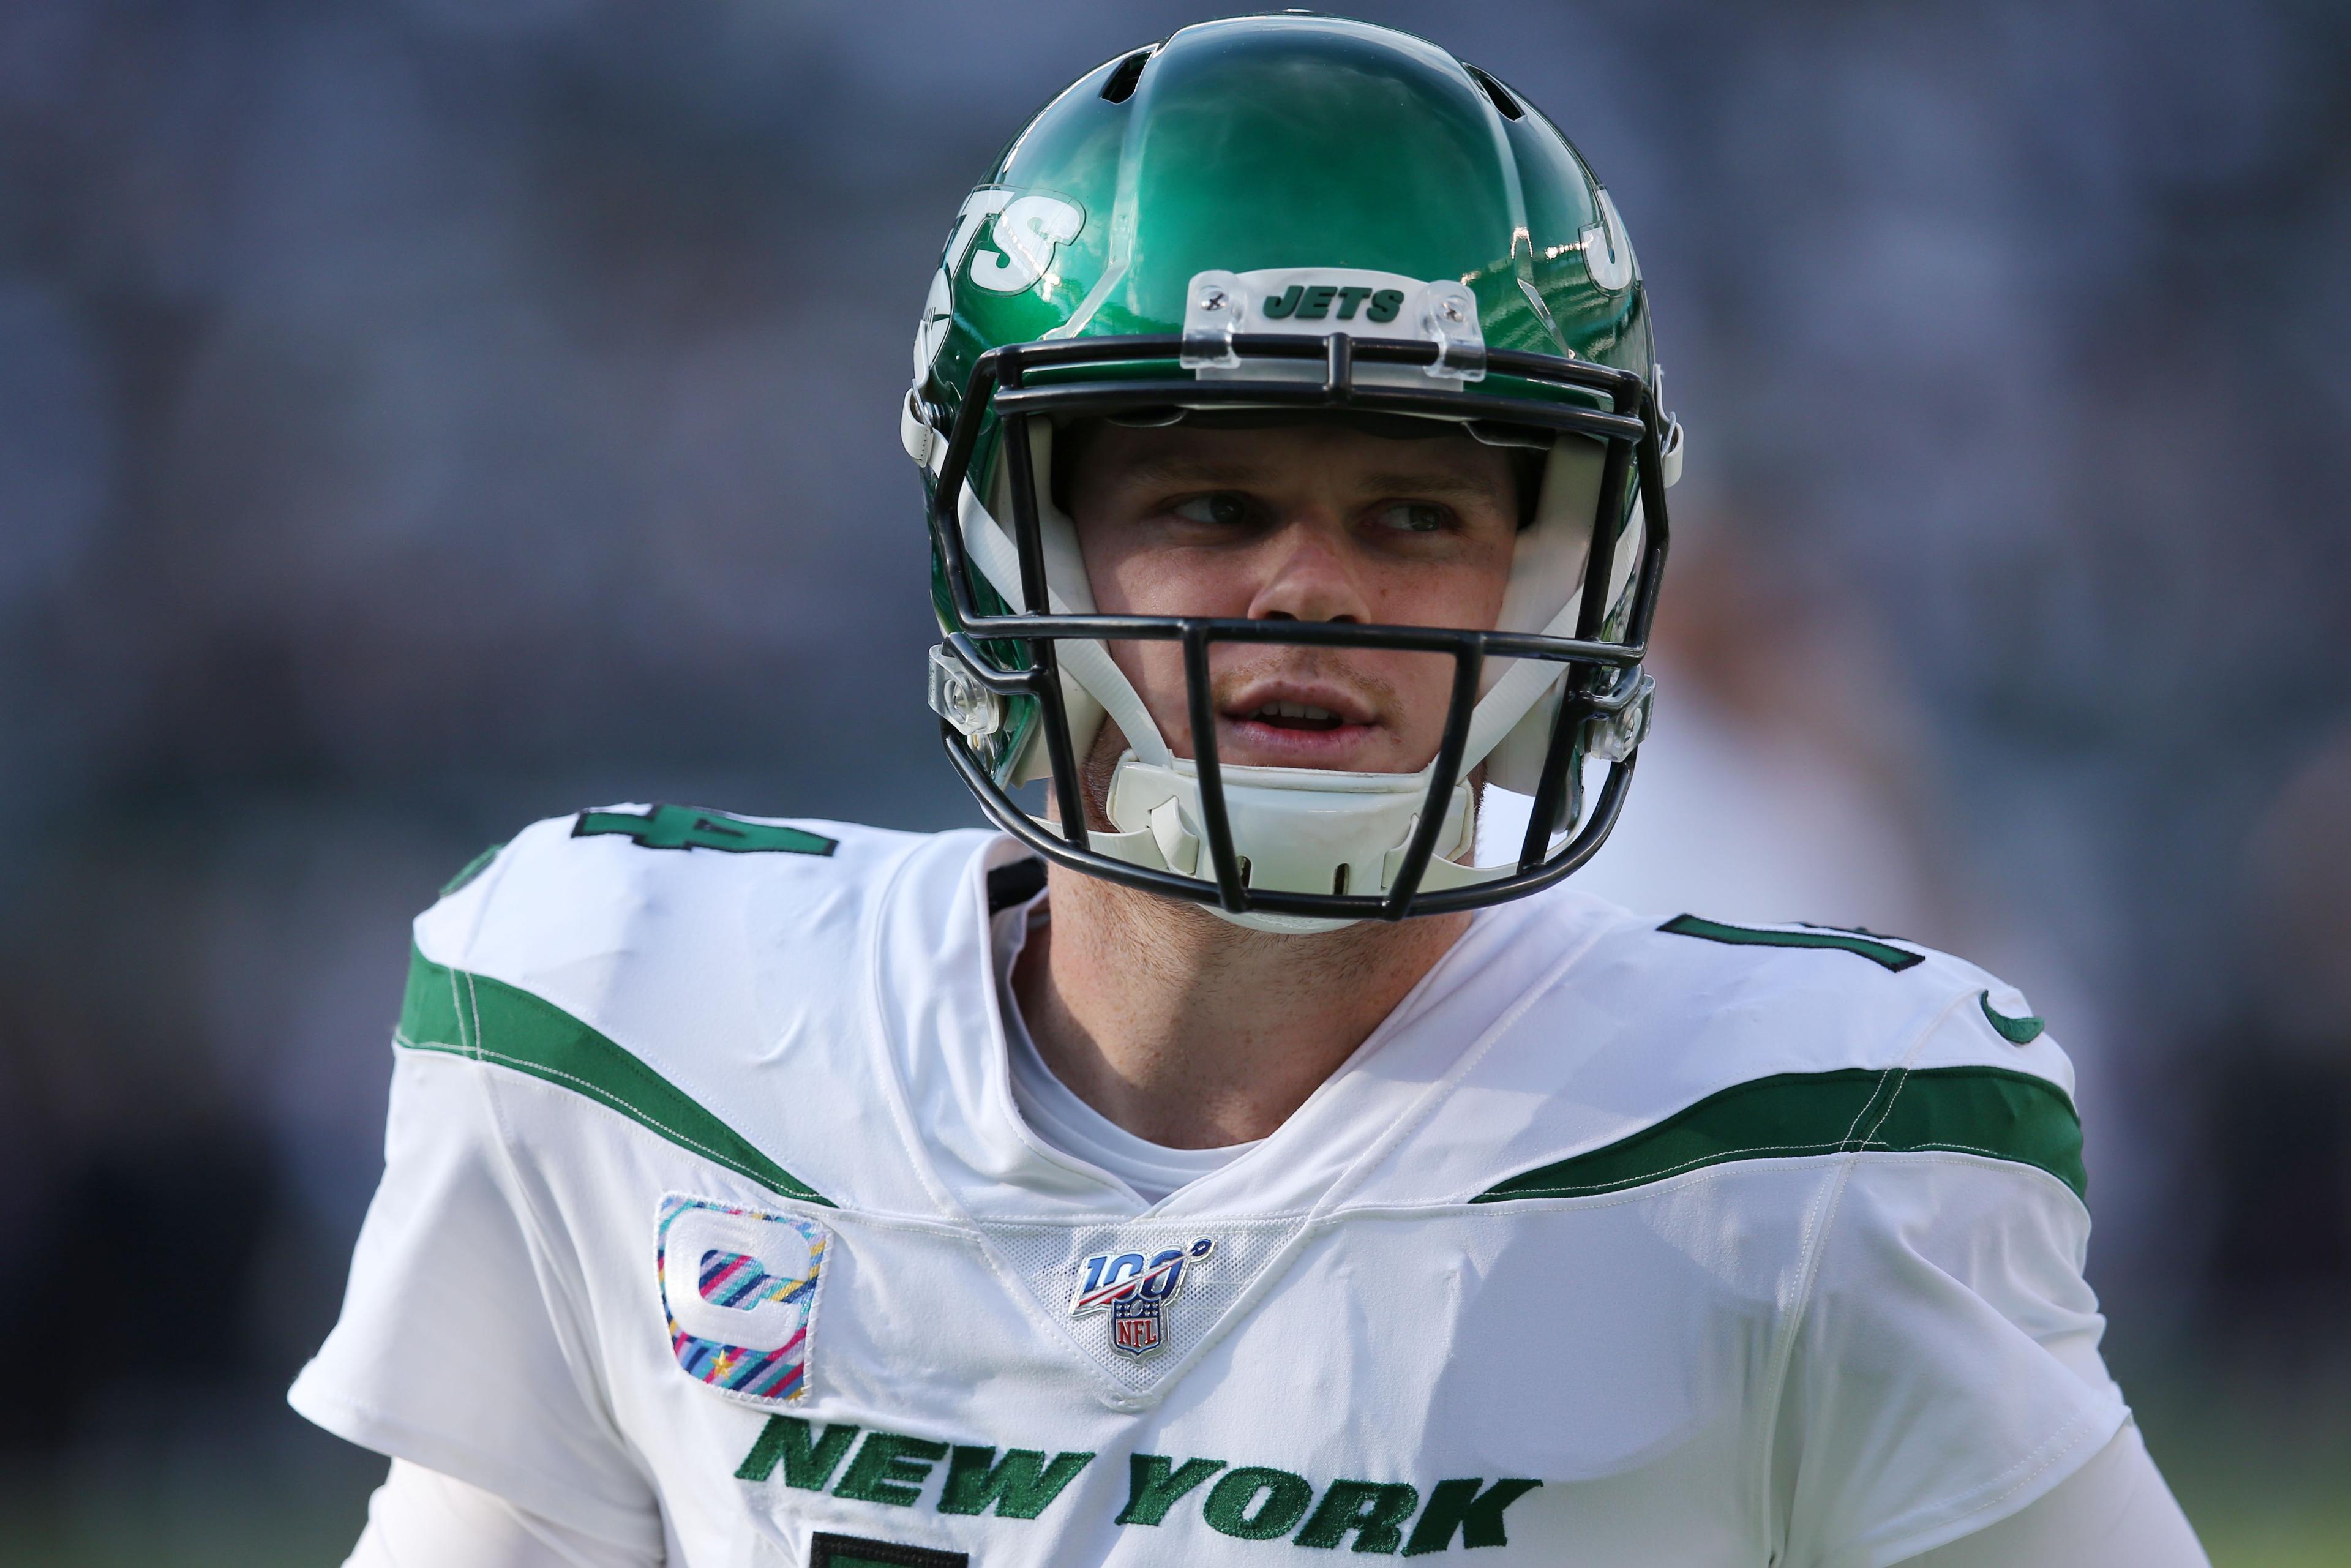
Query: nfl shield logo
{"points": [[1135, 1291], [1134, 1326]]}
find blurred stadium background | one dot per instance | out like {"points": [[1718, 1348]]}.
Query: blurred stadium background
{"points": [[419, 418]]}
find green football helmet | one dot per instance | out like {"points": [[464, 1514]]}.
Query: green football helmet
{"points": [[1292, 215]]}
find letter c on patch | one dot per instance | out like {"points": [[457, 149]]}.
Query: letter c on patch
{"points": [[697, 1232]]}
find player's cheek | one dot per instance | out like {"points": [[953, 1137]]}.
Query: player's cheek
{"points": [[1155, 670]]}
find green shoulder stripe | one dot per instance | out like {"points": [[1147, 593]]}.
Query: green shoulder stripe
{"points": [[695, 828], [490, 1021], [1985, 1110], [1877, 952]]}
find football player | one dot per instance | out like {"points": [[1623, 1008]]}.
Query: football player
{"points": [[1218, 1163]]}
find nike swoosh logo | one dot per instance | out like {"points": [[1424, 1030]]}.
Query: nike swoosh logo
{"points": [[2015, 1030]]}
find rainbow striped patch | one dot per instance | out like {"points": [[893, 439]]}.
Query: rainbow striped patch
{"points": [[739, 1289]]}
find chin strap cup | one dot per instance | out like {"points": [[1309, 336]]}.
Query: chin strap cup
{"points": [[1296, 830]]}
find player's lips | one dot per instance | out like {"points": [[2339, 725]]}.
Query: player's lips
{"points": [[1296, 724]]}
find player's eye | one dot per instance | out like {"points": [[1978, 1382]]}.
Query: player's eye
{"points": [[1222, 509], [1412, 517]]}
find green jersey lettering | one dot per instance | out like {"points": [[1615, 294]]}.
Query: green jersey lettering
{"points": [[1375, 1510], [1258, 1503], [1020, 1485], [1459, 1506], [890, 1468], [1153, 1483], [806, 1465]]}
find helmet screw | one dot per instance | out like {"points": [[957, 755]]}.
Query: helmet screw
{"points": [[1212, 299], [1449, 309]]}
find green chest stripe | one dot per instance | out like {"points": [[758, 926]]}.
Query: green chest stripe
{"points": [[471, 1015], [1877, 952], [1985, 1110]]}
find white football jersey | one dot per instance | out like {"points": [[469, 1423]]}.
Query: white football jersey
{"points": [[709, 1223]]}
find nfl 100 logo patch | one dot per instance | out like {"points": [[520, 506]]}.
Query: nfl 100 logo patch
{"points": [[1136, 1292], [739, 1289]]}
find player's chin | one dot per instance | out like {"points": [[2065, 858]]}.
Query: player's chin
{"points": [[1340, 747]]}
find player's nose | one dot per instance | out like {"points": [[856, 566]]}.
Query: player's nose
{"points": [[1306, 574]]}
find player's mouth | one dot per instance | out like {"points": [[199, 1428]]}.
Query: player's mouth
{"points": [[1309, 725], [1296, 715]]}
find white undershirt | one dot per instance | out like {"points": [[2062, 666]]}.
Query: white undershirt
{"points": [[1056, 1114]]}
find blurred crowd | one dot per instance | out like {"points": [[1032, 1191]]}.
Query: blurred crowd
{"points": [[423, 417]]}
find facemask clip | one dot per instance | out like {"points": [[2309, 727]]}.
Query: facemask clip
{"points": [[1612, 737], [1448, 317], [1213, 312], [957, 696]]}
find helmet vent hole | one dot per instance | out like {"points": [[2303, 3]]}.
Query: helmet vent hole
{"points": [[1339, 880], [1121, 85], [1494, 89], [1242, 865]]}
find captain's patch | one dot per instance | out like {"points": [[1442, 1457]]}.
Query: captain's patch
{"points": [[739, 1289]]}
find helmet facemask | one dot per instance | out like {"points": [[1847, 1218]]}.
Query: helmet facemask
{"points": [[1555, 682]]}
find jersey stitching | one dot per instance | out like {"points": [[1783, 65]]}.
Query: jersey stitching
{"points": [[1116, 1395], [1935, 1152], [1866, 1143], [883, 1040], [918, 1224], [893, 1090], [1819, 1224], [1276, 1265], [563, 1305], [1356, 1175], [534, 1223], [1901, 1077], [1875, 1090], [473, 1005], [1000, 1067], [2034, 1465], [1842, 1145], [539, 1070]]}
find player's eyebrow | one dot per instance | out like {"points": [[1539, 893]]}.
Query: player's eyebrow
{"points": [[1435, 484], [1179, 468]]}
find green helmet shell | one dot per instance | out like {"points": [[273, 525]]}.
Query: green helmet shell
{"points": [[1281, 142]]}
